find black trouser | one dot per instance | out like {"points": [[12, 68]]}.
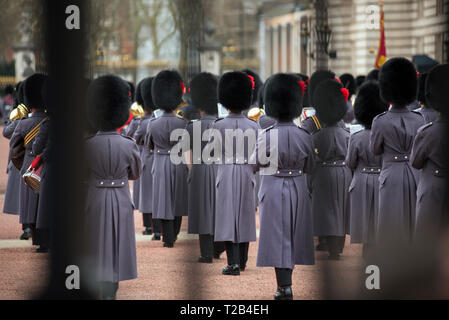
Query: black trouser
{"points": [[149, 222], [335, 244], [109, 289], [237, 253], [170, 229], [26, 226], [284, 277], [208, 247], [42, 237]]}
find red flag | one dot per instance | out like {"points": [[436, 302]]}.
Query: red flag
{"points": [[382, 53]]}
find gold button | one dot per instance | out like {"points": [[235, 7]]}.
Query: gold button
{"points": [[372, 170], [102, 183], [278, 172], [395, 158], [406, 157], [169, 151], [113, 183], [290, 173], [437, 172], [378, 170], [364, 169], [335, 163], [123, 183]]}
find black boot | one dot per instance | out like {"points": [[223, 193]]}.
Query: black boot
{"points": [[26, 235], [168, 245], [231, 270], [284, 293], [156, 237], [242, 267], [148, 231], [42, 249], [322, 244], [205, 259]]}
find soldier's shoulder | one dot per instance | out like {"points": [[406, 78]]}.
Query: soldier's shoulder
{"points": [[425, 127], [418, 113], [380, 116]]}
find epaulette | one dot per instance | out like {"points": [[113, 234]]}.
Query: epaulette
{"points": [[380, 115], [417, 112], [128, 137], [424, 127], [219, 119], [302, 129], [267, 129]]}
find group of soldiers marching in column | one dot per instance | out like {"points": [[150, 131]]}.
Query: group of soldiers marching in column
{"points": [[382, 184]]}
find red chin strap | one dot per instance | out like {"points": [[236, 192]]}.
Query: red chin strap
{"points": [[303, 86], [127, 123], [345, 93], [253, 84]]}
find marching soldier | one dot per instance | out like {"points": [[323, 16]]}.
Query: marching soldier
{"points": [[348, 82], [331, 178], [11, 204], [312, 124], [265, 121], [169, 179], [364, 189], [286, 224], [146, 180], [429, 154], [203, 90], [25, 134], [235, 221], [129, 131], [429, 114], [112, 160], [392, 136]]}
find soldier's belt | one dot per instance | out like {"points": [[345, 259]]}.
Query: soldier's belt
{"points": [[335, 163], [108, 183], [289, 173], [371, 170], [396, 157]]}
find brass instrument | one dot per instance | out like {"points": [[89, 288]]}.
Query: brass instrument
{"points": [[255, 113], [178, 111], [18, 113], [137, 110]]}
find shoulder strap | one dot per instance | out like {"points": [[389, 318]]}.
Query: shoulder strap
{"points": [[33, 133], [317, 122]]}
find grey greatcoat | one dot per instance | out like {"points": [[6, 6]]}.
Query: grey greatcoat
{"points": [[28, 199], [265, 121], [112, 159], [429, 154], [331, 179], [169, 179], [146, 180], [11, 204], [40, 144], [286, 223], [364, 189], [201, 182], [429, 114], [130, 131], [235, 219], [309, 125], [392, 136]]}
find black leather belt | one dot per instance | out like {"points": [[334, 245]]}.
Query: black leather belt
{"points": [[289, 173], [108, 183], [396, 157], [333, 163], [371, 170]]}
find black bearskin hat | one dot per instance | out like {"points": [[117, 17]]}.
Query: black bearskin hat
{"points": [[422, 88], [167, 90], [330, 104], [437, 89], [316, 78], [145, 93], [132, 88], [348, 82], [108, 102], [373, 75], [398, 82], [283, 97], [360, 80], [32, 91], [203, 92], [235, 91], [257, 84], [369, 104], [138, 96]]}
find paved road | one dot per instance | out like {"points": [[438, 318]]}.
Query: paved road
{"points": [[165, 273]]}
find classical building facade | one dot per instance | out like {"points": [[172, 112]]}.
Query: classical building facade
{"points": [[412, 27]]}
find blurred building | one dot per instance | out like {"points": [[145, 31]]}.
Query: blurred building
{"points": [[412, 27]]}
